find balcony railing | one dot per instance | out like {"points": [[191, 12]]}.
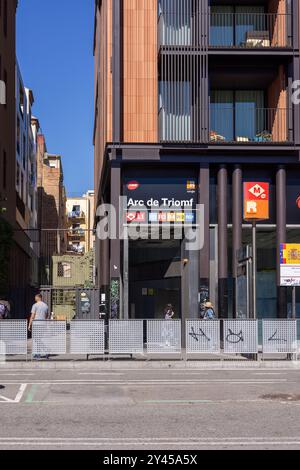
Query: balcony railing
{"points": [[77, 233], [250, 30], [76, 215], [240, 123], [243, 123]]}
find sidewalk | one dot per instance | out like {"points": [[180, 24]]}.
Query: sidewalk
{"points": [[114, 363]]}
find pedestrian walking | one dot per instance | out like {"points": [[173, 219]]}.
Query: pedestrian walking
{"points": [[169, 312], [209, 313], [4, 309], [39, 312]]}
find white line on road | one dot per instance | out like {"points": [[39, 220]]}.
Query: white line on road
{"points": [[151, 443], [100, 373], [15, 375], [150, 382], [18, 396], [20, 393]]}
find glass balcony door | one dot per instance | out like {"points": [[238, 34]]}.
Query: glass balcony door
{"points": [[230, 25], [237, 115]]}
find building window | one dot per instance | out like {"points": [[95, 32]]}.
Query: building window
{"points": [[18, 134], [24, 151], [175, 114], [64, 270], [21, 99], [18, 177], [175, 22]]}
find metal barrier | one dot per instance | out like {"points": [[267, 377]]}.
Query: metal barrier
{"points": [[240, 336], [87, 337], [13, 334], [126, 337], [48, 337], [208, 337], [279, 336], [163, 336], [203, 337]]}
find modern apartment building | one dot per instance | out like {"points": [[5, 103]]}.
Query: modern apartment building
{"points": [[192, 99]]}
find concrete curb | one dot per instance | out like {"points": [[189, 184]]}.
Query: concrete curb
{"points": [[149, 365]]}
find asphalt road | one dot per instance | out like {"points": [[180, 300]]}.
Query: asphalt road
{"points": [[149, 409]]}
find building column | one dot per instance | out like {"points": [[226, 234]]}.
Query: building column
{"points": [[204, 268], [115, 244], [222, 243], [104, 269], [237, 221], [280, 236]]}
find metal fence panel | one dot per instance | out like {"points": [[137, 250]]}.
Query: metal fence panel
{"points": [[279, 336], [87, 337], [13, 334], [126, 337], [203, 336], [240, 336], [48, 337], [164, 336]]}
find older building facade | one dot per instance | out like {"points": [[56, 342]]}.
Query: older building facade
{"points": [[192, 99], [18, 269]]}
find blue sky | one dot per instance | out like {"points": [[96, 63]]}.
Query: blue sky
{"points": [[55, 53]]}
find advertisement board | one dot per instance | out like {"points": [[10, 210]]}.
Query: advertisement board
{"points": [[290, 265]]}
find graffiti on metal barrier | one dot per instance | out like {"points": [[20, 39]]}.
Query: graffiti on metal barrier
{"points": [[276, 338], [234, 338], [196, 336]]}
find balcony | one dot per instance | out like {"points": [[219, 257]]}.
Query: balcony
{"points": [[250, 30], [76, 215], [77, 233], [244, 124]]}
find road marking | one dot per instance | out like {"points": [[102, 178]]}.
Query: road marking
{"points": [[188, 402], [151, 442], [153, 382], [20, 393], [15, 375], [18, 396], [99, 373], [267, 373]]}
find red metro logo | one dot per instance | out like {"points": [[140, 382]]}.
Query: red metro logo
{"points": [[298, 201], [133, 185]]}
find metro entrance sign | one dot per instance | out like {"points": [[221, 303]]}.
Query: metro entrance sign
{"points": [[256, 207], [256, 201]]}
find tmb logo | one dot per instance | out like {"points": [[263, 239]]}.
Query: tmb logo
{"points": [[258, 191], [133, 185]]}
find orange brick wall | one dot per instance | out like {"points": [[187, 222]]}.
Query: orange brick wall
{"points": [[277, 98], [140, 82], [103, 80], [279, 26]]}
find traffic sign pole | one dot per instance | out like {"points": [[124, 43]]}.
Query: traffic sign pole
{"points": [[294, 315], [254, 269]]}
